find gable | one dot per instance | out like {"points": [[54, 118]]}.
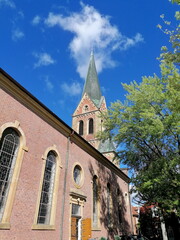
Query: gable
{"points": [[102, 104], [85, 101]]}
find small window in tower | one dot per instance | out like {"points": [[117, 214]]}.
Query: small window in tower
{"points": [[91, 126], [81, 127], [86, 108]]}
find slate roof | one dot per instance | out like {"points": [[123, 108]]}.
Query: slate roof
{"points": [[92, 87]]}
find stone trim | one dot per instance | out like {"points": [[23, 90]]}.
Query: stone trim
{"points": [[82, 176], [5, 222], [51, 225]]}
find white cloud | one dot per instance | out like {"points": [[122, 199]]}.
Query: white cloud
{"points": [[49, 84], [36, 20], [17, 34], [7, 3], [130, 42], [73, 90], [20, 14], [43, 59], [91, 29]]}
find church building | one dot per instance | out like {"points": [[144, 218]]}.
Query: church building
{"points": [[58, 182]]}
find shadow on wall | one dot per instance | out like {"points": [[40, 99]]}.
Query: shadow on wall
{"points": [[114, 222]]}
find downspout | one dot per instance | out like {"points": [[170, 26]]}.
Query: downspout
{"points": [[132, 228], [64, 186]]}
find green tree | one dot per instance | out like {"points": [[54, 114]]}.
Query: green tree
{"points": [[146, 127], [173, 54], [175, 1]]}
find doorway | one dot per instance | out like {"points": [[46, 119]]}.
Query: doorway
{"points": [[76, 222]]}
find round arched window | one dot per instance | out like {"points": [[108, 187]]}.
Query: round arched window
{"points": [[77, 175]]}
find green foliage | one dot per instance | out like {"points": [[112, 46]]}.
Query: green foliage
{"points": [[102, 238], [117, 238], [147, 129], [175, 1], [171, 55]]}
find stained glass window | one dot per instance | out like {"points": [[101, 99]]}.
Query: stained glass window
{"points": [[109, 205], [77, 174], [9, 146], [47, 190], [95, 201]]}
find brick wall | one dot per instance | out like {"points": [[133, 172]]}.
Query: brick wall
{"points": [[39, 136]]}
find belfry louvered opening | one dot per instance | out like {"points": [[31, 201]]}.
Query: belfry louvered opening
{"points": [[91, 126], [81, 127]]}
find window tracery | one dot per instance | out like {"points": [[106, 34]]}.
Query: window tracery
{"points": [[9, 146], [47, 189]]}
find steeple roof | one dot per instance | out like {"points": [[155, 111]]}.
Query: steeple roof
{"points": [[91, 86]]}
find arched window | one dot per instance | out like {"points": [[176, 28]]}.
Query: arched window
{"points": [[119, 202], [95, 201], [109, 205], [47, 190], [81, 127], [86, 108], [91, 126], [9, 145], [77, 175]]}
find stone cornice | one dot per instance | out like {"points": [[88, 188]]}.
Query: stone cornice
{"points": [[86, 113], [27, 99]]}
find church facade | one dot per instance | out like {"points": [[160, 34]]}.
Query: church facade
{"points": [[58, 182]]}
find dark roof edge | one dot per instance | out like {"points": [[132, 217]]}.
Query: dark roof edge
{"points": [[67, 126]]}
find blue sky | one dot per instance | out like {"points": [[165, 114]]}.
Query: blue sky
{"points": [[46, 45]]}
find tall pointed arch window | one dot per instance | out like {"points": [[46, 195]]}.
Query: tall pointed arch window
{"points": [[81, 127], [45, 206], [91, 126], [9, 145], [119, 207], [95, 202], [109, 205]]}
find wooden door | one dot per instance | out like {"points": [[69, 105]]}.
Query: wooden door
{"points": [[86, 228], [74, 228]]}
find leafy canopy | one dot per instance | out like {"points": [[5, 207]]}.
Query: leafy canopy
{"points": [[147, 127]]}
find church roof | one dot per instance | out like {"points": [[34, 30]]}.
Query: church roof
{"points": [[106, 146], [92, 87]]}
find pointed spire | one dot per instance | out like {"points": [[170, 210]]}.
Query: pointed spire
{"points": [[91, 86], [92, 51]]}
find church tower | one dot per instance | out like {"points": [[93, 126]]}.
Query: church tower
{"points": [[86, 118]]}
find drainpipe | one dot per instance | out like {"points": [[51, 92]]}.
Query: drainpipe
{"points": [[64, 187], [132, 229]]}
